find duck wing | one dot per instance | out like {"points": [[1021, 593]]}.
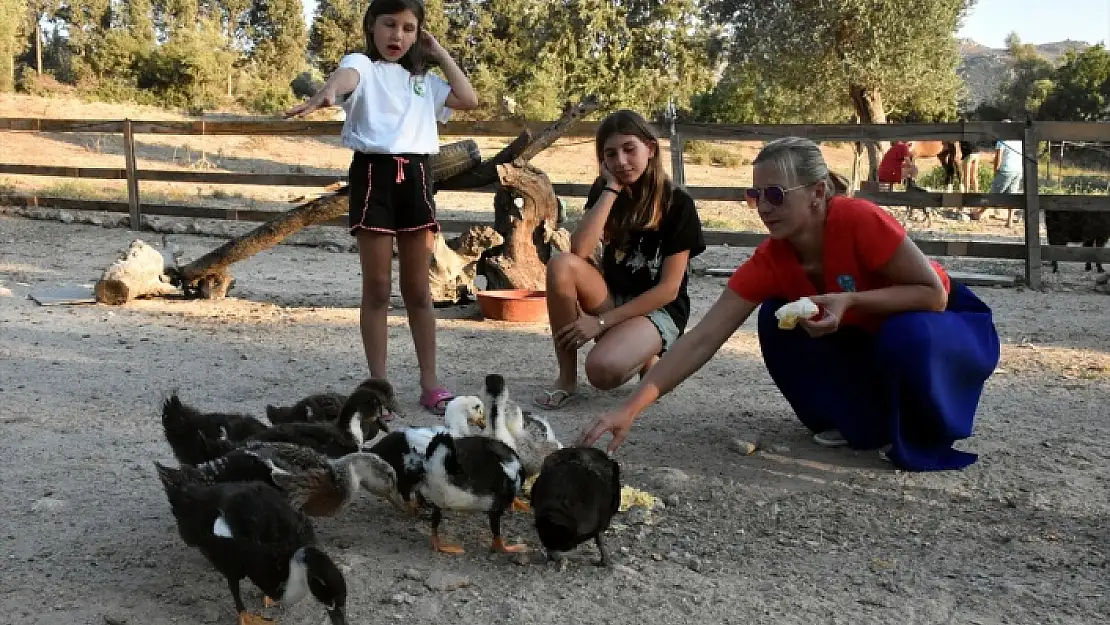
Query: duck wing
{"points": [[316, 492], [321, 437], [254, 513]]}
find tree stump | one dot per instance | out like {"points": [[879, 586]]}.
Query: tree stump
{"points": [[455, 263], [526, 214], [139, 272]]}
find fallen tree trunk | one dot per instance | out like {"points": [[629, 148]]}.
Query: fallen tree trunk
{"points": [[207, 277], [139, 272]]}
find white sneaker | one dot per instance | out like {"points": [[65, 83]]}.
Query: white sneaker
{"points": [[830, 438]]}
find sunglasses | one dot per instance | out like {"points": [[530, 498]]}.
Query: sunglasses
{"points": [[774, 194]]}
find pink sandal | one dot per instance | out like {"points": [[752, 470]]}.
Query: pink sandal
{"points": [[432, 399]]}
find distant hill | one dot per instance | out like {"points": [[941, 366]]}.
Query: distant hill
{"points": [[984, 70]]}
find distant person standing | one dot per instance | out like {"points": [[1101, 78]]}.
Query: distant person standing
{"points": [[1008, 165]]}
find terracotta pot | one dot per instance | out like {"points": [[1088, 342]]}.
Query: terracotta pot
{"points": [[516, 305]]}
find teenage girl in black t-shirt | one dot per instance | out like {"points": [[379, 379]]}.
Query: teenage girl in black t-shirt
{"points": [[636, 306]]}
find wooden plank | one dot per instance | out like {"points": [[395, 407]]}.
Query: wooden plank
{"points": [[34, 124], [97, 173], [965, 249], [971, 131], [968, 278], [933, 200], [1072, 131], [982, 279], [975, 131], [132, 177], [272, 127], [1032, 210], [217, 177]]}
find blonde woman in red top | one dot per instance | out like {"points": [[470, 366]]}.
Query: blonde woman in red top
{"points": [[897, 357]]}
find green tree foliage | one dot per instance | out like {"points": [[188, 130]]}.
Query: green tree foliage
{"points": [[336, 31], [14, 15], [1081, 88], [278, 36], [1031, 81], [873, 56]]}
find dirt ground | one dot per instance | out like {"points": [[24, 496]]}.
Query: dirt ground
{"points": [[791, 534]]}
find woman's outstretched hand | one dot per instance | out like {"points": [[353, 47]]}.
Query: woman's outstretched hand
{"points": [[616, 423], [833, 306]]}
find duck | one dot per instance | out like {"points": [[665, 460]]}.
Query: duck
{"points": [[404, 450], [313, 483], [530, 436], [249, 530], [472, 474], [359, 419], [372, 399], [195, 440], [315, 407], [196, 437], [574, 498]]}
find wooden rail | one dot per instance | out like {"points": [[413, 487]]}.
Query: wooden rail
{"points": [[1030, 134]]}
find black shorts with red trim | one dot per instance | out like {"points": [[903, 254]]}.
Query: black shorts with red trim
{"points": [[391, 193]]}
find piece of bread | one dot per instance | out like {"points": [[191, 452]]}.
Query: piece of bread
{"points": [[790, 314]]}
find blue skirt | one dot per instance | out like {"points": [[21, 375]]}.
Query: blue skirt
{"points": [[914, 385]]}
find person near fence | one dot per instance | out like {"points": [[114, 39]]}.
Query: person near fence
{"points": [[392, 105], [898, 355], [636, 305], [897, 165], [1008, 167]]}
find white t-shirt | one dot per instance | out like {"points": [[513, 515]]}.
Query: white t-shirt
{"points": [[392, 111]]}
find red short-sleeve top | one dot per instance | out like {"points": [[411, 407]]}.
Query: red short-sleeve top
{"points": [[860, 238], [890, 167]]}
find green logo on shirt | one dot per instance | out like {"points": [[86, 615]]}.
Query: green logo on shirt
{"points": [[418, 86]]}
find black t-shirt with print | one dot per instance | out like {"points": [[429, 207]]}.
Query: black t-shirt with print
{"points": [[637, 266]]}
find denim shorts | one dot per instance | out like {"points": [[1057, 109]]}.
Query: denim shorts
{"points": [[661, 319]]}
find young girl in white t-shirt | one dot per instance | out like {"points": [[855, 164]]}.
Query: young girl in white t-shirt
{"points": [[392, 111]]}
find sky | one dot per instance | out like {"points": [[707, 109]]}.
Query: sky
{"points": [[1035, 21], [1038, 21]]}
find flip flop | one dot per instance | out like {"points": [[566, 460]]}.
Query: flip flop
{"points": [[556, 399], [432, 399]]}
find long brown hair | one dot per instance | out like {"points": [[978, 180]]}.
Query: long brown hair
{"points": [[415, 61], [651, 194]]}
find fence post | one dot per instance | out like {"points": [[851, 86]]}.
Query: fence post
{"points": [[132, 176], [678, 171], [1032, 208]]}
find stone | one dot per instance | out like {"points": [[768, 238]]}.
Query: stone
{"points": [[445, 582]]}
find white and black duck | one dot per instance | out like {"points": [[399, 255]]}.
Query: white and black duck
{"points": [[249, 530], [470, 474], [531, 437], [313, 483], [576, 495], [404, 450]]}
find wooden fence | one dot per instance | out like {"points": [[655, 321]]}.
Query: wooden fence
{"points": [[678, 133]]}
